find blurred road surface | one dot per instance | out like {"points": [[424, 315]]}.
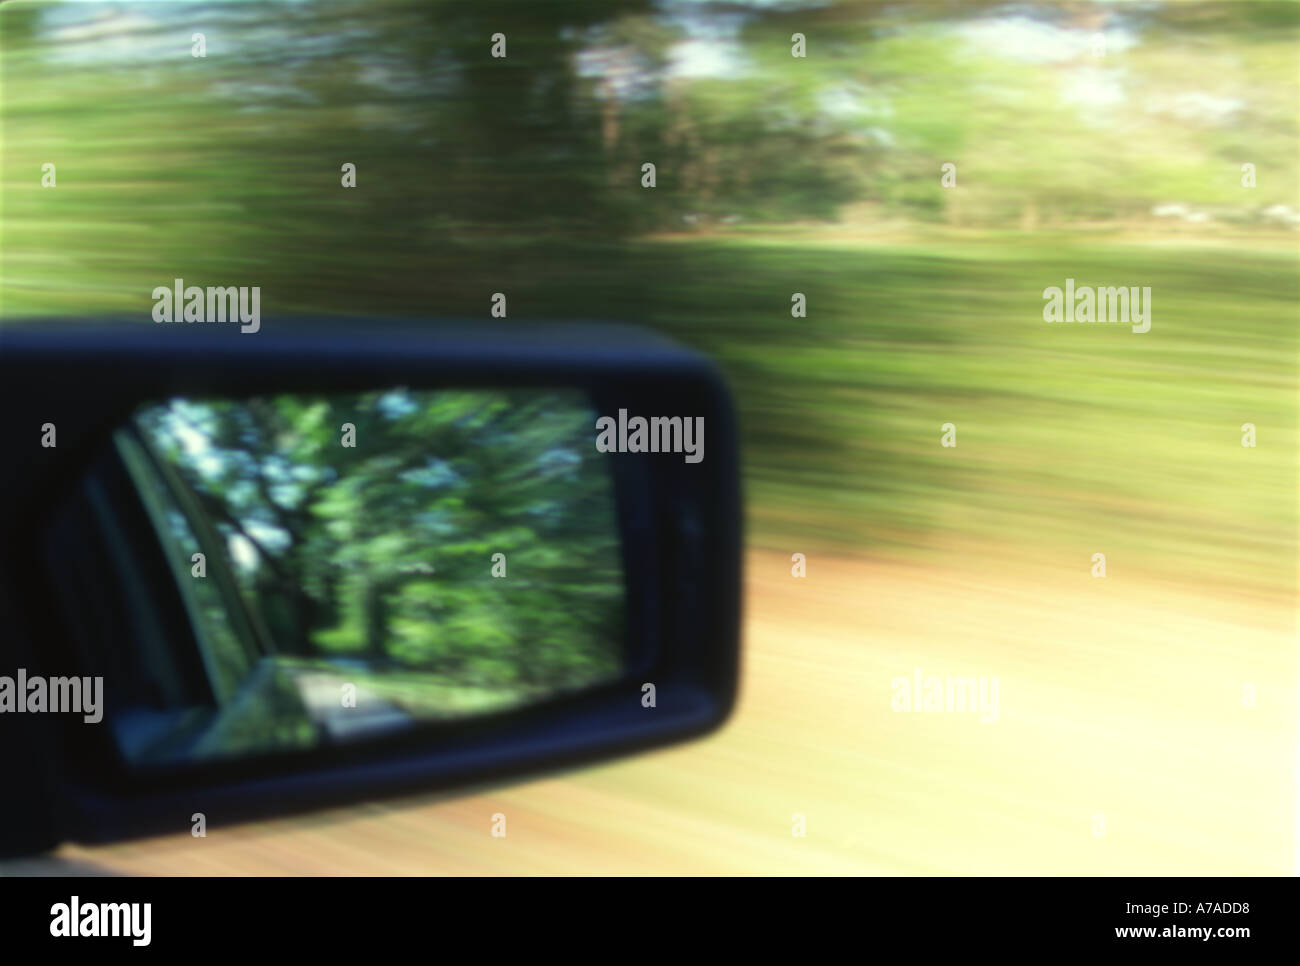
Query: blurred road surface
{"points": [[1125, 743]]}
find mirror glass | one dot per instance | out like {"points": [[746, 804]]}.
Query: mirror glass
{"points": [[354, 564]]}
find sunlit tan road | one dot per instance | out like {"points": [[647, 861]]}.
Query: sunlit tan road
{"points": [[1120, 709]]}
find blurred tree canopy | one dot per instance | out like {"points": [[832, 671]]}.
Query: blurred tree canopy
{"points": [[1051, 113], [522, 175], [386, 550]]}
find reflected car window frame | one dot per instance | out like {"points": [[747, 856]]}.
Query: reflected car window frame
{"points": [[148, 470]]}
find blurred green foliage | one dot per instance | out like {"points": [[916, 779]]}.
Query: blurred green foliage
{"points": [[776, 175], [385, 551]]}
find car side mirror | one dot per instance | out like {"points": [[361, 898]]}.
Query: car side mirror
{"points": [[244, 576]]}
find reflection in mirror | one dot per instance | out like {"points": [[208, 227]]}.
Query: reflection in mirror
{"points": [[376, 559]]}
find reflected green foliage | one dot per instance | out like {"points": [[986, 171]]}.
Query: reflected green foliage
{"points": [[447, 552]]}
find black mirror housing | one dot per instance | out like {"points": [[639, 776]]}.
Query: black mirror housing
{"points": [[680, 523]]}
